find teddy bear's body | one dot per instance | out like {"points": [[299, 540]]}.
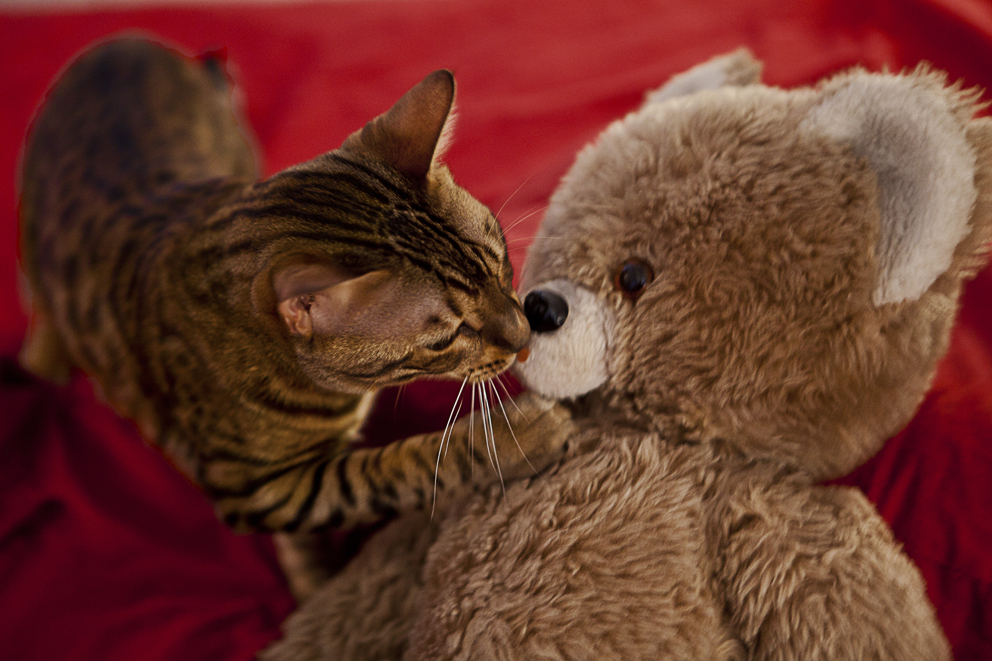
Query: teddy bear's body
{"points": [[614, 556], [641, 550], [746, 293], [560, 539]]}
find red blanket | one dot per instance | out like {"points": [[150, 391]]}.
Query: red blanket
{"points": [[106, 553]]}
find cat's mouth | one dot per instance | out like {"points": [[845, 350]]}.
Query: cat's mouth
{"points": [[474, 365], [477, 371], [489, 370], [473, 373], [474, 360]]}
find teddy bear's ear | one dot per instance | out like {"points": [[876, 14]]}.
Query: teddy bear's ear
{"points": [[913, 132], [735, 69]]}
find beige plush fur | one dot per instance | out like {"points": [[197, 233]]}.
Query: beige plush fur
{"points": [[807, 249]]}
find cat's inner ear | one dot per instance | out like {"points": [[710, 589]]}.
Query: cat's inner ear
{"points": [[411, 134], [323, 300]]}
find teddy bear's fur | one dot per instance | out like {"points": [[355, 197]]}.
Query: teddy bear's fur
{"points": [[807, 250]]}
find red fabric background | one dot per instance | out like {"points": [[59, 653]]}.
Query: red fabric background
{"points": [[106, 553]]}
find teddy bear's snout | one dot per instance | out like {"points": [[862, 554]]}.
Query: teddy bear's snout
{"points": [[546, 311], [569, 350]]}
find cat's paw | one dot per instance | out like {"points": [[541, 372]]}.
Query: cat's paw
{"points": [[534, 436]]}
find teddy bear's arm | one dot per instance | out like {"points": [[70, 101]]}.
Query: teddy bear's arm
{"points": [[813, 572]]}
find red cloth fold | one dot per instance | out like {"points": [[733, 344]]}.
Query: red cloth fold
{"points": [[107, 553]]}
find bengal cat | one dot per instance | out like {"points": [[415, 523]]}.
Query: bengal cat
{"points": [[246, 325]]}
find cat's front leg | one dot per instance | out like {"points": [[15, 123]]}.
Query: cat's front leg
{"points": [[478, 449], [368, 485], [518, 440], [44, 352]]}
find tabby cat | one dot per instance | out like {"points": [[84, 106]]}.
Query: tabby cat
{"points": [[246, 325]]}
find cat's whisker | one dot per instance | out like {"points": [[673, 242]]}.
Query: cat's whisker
{"points": [[485, 433], [534, 239], [499, 380], [446, 439], [445, 445], [487, 407], [486, 418], [471, 456], [507, 201], [471, 430], [449, 426], [524, 217], [510, 427], [529, 214]]}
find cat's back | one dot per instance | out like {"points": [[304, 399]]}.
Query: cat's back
{"points": [[127, 117], [132, 142], [125, 122]]}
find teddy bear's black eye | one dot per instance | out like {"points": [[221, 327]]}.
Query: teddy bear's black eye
{"points": [[633, 277]]}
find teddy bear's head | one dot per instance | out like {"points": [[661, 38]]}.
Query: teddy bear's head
{"points": [[773, 270]]}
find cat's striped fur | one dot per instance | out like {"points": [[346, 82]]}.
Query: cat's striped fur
{"points": [[246, 325]]}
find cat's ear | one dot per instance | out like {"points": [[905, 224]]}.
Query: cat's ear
{"points": [[320, 299], [736, 69], [413, 133]]}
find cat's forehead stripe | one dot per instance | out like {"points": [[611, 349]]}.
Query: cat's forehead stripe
{"points": [[375, 176], [416, 207], [361, 207], [345, 215], [325, 180]]}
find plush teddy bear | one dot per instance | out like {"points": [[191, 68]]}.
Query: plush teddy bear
{"points": [[741, 292]]}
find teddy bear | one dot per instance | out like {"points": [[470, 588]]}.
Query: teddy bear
{"points": [[740, 292]]}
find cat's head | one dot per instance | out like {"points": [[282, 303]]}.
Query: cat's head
{"points": [[387, 270], [774, 271]]}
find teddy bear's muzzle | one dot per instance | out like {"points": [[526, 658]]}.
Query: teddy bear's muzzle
{"points": [[569, 350]]}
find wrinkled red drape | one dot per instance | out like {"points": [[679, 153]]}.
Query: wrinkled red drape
{"points": [[106, 553]]}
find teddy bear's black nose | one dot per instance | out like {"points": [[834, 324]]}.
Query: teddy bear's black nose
{"points": [[545, 310]]}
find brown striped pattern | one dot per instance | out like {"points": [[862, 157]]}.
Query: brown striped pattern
{"points": [[150, 251]]}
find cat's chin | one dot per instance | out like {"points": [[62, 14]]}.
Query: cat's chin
{"points": [[334, 382]]}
